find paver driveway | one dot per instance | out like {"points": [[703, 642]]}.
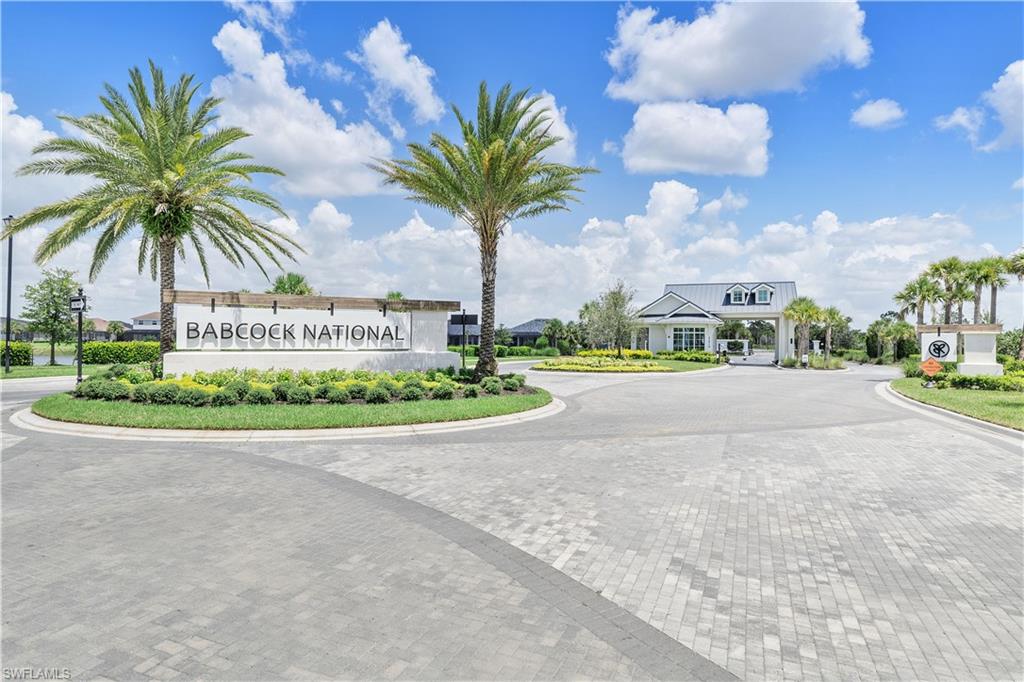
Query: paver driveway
{"points": [[757, 522]]}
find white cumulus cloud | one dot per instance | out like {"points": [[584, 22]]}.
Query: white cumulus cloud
{"points": [[289, 129], [734, 49], [696, 138], [396, 71], [564, 151], [1005, 100], [878, 114]]}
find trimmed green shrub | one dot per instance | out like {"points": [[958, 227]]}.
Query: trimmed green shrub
{"points": [[300, 395], [138, 375], [337, 395], [390, 386], [611, 353], [223, 398], [119, 370], [412, 393], [21, 353], [789, 362], [1008, 342], [547, 352], [986, 383], [377, 395], [689, 355], [358, 390], [519, 351], [320, 392], [90, 388], [541, 342], [470, 391], [282, 388], [258, 395], [511, 384], [143, 393], [115, 390], [164, 393], [238, 387], [195, 397], [491, 385], [127, 352], [443, 391]]}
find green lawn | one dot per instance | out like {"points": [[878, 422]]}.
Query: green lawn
{"points": [[35, 371], [999, 407], [43, 348], [64, 407], [685, 365]]}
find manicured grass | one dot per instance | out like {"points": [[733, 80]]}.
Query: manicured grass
{"points": [[43, 348], [65, 407], [35, 371], [999, 407], [685, 365], [626, 367]]}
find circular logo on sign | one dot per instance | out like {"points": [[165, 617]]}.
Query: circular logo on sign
{"points": [[938, 349]]}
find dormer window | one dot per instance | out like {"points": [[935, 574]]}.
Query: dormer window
{"points": [[738, 295], [763, 295]]}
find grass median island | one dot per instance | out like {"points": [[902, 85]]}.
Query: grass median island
{"points": [[129, 396], [999, 407], [615, 365], [37, 371]]}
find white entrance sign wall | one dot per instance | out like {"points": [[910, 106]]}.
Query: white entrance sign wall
{"points": [[980, 354], [218, 330], [942, 347]]}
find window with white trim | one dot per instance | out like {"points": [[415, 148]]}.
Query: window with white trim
{"points": [[738, 295], [688, 338], [764, 295]]}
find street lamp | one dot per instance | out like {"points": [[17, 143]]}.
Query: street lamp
{"points": [[10, 259]]}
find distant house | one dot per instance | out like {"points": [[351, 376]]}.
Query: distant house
{"points": [[145, 327], [19, 330], [455, 329], [527, 333], [99, 332]]}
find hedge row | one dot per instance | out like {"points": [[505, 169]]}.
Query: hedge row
{"points": [[505, 351], [126, 352], [980, 382], [21, 353], [611, 353], [689, 356]]}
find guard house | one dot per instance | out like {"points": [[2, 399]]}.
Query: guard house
{"points": [[687, 316]]}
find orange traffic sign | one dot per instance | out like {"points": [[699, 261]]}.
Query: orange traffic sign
{"points": [[931, 367]]}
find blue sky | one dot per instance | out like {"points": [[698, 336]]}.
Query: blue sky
{"points": [[850, 211]]}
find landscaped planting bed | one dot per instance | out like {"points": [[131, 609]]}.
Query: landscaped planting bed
{"points": [[1005, 407], [601, 364], [250, 399]]}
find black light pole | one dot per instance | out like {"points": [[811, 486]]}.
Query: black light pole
{"points": [[10, 259], [78, 303], [463, 338]]}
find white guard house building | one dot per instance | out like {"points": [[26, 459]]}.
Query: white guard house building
{"points": [[687, 316]]}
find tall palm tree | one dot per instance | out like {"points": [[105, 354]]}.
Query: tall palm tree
{"points": [[496, 174], [974, 275], [948, 271], [990, 273], [115, 329], [554, 329], [916, 296], [804, 312], [160, 166], [831, 317], [960, 294], [1015, 267]]}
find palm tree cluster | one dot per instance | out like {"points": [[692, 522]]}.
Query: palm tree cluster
{"points": [[162, 166], [952, 283], [805, 312]]}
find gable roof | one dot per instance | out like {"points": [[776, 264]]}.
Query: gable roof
{"points": [[148, 316], [713, 297], [534, 326]]}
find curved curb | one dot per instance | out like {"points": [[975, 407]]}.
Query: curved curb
{"points": [[26, 419], [638, 375], [889, 394], [813, 371]]}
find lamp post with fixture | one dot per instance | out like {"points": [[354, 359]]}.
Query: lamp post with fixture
{"points": [[10, 261]]}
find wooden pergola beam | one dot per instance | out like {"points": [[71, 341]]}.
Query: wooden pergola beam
{"points": [[237, 299]]}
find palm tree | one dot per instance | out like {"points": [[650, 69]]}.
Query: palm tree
{"points": [[292, 283], [961, 293], [161, 166], [831, 317], [916, 296], [948, 271], [502, 336], [897, 332], [1015, 266], [974, 276], [394, 295], [804, 312], [990, 273], [496, 174], [115, 329], [554, 329]]}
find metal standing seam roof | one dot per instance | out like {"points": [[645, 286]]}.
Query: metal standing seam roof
{"points": [[534, 326], [713, 298]]}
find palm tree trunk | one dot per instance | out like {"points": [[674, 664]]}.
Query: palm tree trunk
{"points": [[992, 304], [960, 312], [486, 364], [828, 345], [166, 307], [977, 303], [920, 322]]}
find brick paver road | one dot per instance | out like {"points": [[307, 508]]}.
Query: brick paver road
{"points": [[756, 522]]}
